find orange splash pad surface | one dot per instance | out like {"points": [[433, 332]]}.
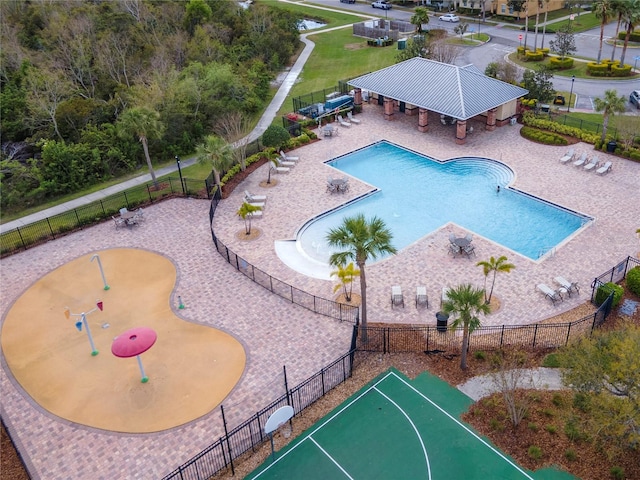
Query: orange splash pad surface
{"points": [[191, 367]]}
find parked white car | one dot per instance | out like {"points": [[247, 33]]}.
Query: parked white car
{"points": [[383, 4], [449, 17]]}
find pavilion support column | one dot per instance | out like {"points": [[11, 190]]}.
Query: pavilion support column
{"points": [[388, 108], [423, 120], [461, 132], [491, 120], [357, 99]]}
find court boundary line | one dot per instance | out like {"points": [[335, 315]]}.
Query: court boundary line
{"points": [[362, 394], [330, 457], [498, 452], [373, 387], [415, 429]]}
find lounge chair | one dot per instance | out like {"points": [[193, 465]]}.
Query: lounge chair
{"points": [[343, 122], [421, 296], [396, 296], [256, 214], [280, 169], [445, 296], [249, 197], [550, 293], [582, 160], [567, 157], [256, 204], [351, 118], [604, 168], [288, 158], [567, 285], [283, 163], [593, 163]]}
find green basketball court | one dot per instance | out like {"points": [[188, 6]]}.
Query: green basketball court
{"points": [[397, 429]]}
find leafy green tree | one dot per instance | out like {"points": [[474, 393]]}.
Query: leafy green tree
{"points": [[360, 240], [465, 303], [604, 366], [218, 153], [492, 70], [346, 275], [494, 266], [602, 10], [275, 136], [143, 123], [419, 18], [539, 84], [565, 43], [417, 46], [609, 106], [197, 12], [245, 212], [461, 28]]}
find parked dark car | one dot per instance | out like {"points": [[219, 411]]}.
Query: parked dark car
{"points": [[347, 1], [634, 98]]}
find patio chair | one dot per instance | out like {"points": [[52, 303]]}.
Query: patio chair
{"points": [[288, 158], [582, 160], [123, 211], [249, 197], [452, 237], [396, 296], [138, 217], [567, 157], [351, 118], [469, 237], [343, 122], [454, 249], [550, 293], [331, 187], [604, 168], [469, 250], [593, 163], [421, 296], [567, 285], [119, 222]]}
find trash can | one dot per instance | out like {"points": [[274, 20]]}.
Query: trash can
{"points": [[611, 146], [442, 319], [402, 43]]}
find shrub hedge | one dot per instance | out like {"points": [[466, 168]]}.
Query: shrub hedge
{"points": [[633, 280], [536, 56], [634, 37], [542, 136], [530, 119], [557, 63], [605, 290]]}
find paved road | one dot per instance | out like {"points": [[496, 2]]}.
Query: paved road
{"points": [[503, 41]]}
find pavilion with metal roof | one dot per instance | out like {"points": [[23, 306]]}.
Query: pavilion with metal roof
{"points": [[419, 85]]}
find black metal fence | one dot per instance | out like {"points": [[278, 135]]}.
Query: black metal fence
{"points": [[250, 434], [436, 339], [594, 127], [329, 308], [53, 227]]}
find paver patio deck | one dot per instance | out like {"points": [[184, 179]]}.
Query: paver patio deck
{"points": [[277, 333]]}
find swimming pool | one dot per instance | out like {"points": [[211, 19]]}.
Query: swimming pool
{"points": [[416, 195]]}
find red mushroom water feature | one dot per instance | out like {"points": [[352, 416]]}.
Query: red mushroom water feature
{"points": [[133, 343]]}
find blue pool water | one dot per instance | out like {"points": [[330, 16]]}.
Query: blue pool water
{"points": [[417, 195]]}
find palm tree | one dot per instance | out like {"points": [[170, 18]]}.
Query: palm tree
{"points": [[346, 275], [246, 213], [420, 17], [632, 17], [360, 240], [495, 266], [618, 7], [145, 124], [609, 105], [465, 302], [544, 26], [535, 41], [218, 153], [602, 10]]}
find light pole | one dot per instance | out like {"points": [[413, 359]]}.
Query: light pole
{"points": [[83, 321], [573, 79], [180, 173], [104, 280]]}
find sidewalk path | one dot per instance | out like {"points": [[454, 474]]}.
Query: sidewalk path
{"points": [[535, 378], [266, 119]]}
